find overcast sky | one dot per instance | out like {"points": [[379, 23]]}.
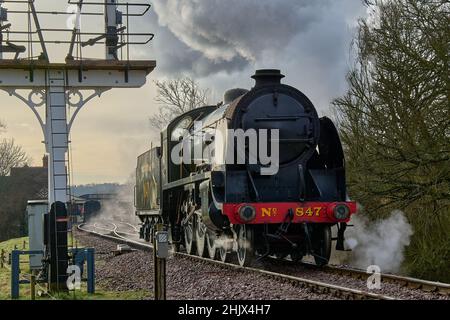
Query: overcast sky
{"points": [[219, 43]]}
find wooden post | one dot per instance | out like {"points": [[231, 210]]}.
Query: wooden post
{"points": [[2, 258], [15, 270], [33, 286], [159, 282]]}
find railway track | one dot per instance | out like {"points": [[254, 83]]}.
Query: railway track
{"points": [[411, 283], [402, 281], [113, 233], [443, 289], [320, 287]]}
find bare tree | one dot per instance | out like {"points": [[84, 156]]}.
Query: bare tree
{"points": [[176, 97], [11, 155], [14, 191]]}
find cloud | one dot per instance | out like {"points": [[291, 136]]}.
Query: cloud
{"points": [[175, 57], [226, 35], [221, 43], [224, 30]]}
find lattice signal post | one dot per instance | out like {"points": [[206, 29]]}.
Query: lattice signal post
{"points": [[58, 87]]}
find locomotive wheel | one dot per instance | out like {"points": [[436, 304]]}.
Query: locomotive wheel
{"points": [[211, 245], [200, 237], [147, 232], [281, 255], [176, 247], [223, 254], [225, 250], [296, 256], [245, 245], [189, 243], [322, 245]]}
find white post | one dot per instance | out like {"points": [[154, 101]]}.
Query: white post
{"points": [[1, 33], [111, 29], [56, 139]]}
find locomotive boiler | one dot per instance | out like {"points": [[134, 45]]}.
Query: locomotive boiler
{"points": [[259, 174]]}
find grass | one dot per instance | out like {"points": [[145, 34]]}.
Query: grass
{"points": [[5, 282]]}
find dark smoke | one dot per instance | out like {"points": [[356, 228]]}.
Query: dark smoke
{"points": [[207, 36], [221, 42], [224, 30]]}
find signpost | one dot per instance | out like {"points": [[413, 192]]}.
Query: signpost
{"points": [[160, 254]]}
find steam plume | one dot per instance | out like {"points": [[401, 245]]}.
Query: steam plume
{"points": [[381, 243]]}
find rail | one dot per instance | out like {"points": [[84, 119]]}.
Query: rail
{"points": [[316, 286]]}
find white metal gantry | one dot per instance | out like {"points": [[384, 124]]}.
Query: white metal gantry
{"points": [[59, 86]]}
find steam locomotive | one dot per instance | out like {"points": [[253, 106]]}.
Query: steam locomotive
{"points": [[229, 201]]}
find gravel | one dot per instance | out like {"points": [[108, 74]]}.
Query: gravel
{"points": [[387, 288], [186, 280], [192, 280]]}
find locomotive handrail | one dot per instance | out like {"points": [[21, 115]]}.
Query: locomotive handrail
{"points": [[196, 178]]}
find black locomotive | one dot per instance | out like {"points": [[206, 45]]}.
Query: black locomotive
{"points": [[244, 205]]}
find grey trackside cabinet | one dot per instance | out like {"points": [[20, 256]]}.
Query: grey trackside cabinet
{"points": [[35, 211]]}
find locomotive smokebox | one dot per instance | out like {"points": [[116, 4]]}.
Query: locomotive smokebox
{"points": [[267, 77], [233, 94]]}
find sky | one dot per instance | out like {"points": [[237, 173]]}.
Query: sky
{"points": [[219, 43]]}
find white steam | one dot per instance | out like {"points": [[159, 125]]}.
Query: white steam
{"points": [[121, 207], [381, 243]]}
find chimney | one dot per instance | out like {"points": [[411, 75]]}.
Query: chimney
{"points": [[266, 77], [45, 161]]}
